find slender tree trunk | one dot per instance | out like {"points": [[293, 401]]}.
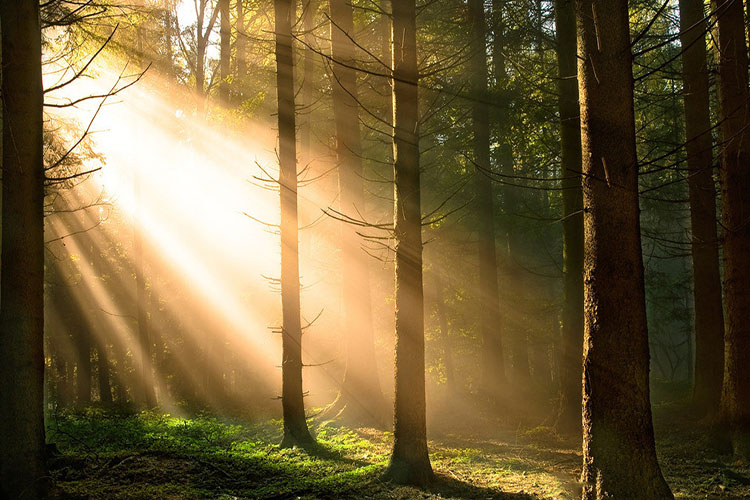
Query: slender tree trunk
{"points": [[99, 335], [82, 337], [709, 317], [308, 21], [144, 369], [735, 185], [361, 398], [619, 455], [22, 468], [448, 363], [295, 425], [516, 341], [225, 51], [240, 56], [571, 342], [493, 369], [410, 463]]}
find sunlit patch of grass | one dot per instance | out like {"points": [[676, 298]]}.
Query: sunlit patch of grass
{"points": [[152, 455]]}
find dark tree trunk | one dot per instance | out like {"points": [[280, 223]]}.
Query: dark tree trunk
{"points": [[515, 340], [225, 50], [734, 110], [82, 337], [410, 463], [448, 363], [361, 399], [99, 334], [619, 455], [493, 369], [571, 342], [22, 468], [709, 317], [295, 425]]}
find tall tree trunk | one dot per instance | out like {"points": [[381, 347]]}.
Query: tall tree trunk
{"points": [[22, 467], [308, 22], [448, 363], [82, 337], [619, 455], [493, 369], [295, 425], [516, 341], [225, 50], [361, 398], [571, 342], [735, 185], [240, 55], [144, 369], [709, 317], [410, 463], [99, 334]]}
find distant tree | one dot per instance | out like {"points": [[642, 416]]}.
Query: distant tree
{"points": [[410, 462], [709, 317], [145, 392], [361, 399], [225, 50], [619, 456], [734, 110], [493, 368], [310, 10], [22, 468], [571, 343], [295, 425]]}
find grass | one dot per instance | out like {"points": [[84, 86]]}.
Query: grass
{"points": [[157, 456]]}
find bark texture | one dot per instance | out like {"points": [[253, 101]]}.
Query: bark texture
{"points": [[410, 463], [734, 168], [295, 425], [22, 468], [571, 342], [619, 455], [709, 317]]}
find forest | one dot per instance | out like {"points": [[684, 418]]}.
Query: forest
{"points": [[375, 249]]}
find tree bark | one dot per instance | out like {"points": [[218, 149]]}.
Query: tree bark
{"points": [[295, 425], [410, 463], [619, 455], [22, 468], [734, 110], [225, 50], [361, 399], [493, 369], [709, 317], [308, 22], [571, 342]]}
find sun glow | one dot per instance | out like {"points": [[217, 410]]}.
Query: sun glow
{"points": [[198, 196]]}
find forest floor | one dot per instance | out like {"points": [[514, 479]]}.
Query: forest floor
{"points": [[154, 456]]}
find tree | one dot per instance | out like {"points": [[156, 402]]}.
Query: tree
{"points": [[144, 363], [571, 342], [709, 317], [22, 468], [361, 399], [295, 425], [225, 49], [493, 368], [619, 456], [734, 106], [410, 463]]}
